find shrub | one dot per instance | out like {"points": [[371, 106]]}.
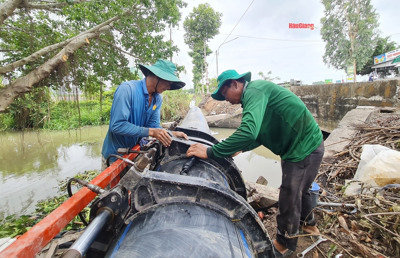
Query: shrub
{"points": [[175, 105]]}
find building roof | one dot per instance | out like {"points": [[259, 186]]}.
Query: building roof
{"points": [[386, 64]]}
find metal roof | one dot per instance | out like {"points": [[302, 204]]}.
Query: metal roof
{"points": [[384, 65]]}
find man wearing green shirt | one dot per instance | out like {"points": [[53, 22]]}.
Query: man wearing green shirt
{"points": [[277, 119]]}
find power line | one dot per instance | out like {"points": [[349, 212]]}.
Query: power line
{"points": [[264, 38], [238, 22]]}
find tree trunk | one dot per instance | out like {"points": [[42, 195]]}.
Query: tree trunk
{"points": [[205, 68], [48, 109], [202, 80], [77, 103], [355, 70], [101, 103], [25, 83], [7, 9]]}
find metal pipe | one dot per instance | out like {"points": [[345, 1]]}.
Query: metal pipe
{"points": [[92, 187], [80, 247], [335, 204], [118, 157]]}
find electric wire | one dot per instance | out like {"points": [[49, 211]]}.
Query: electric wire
{"points": [[70, 194], [269, 39], [238, 22]]}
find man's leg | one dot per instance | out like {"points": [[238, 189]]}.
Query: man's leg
{"points": [[307, 216], [297, 178]]}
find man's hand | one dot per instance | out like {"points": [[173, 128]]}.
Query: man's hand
{"points": [[198, 150], [162, 135], [236, 153], [180, 134]]}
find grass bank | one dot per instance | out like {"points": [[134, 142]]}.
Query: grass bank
{"points": [[64, 115]]}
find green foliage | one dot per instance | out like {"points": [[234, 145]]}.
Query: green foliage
{"points": [[201, 25], [349, 28], [332, 249], [268, 76], [63, 115], [13, 225], [175, 105], [29, 110], [213, 84], [137, 30], [383, 45], [39, 109]]}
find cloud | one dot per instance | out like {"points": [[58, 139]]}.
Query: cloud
{"points": [[266, 43]]}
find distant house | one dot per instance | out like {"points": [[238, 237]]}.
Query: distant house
{"points": [[292, 82], [387, 63]]}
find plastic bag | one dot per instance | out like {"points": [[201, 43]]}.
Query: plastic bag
{"points": [[378, 166]]}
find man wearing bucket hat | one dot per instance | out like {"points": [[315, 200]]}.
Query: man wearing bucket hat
{"points": [[277, 119], [135, 110]]}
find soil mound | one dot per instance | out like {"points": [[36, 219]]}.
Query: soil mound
{"points": [[210, 106]]}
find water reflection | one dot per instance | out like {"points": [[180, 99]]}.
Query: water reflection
{"points": [[255, 163], [33, 152], [33, 162], [327, 125]]}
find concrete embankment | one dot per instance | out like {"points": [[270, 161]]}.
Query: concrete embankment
{"points": [[328, 103], [223, 114], [341, 136]]}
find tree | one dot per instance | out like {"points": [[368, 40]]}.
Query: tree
{"points": [[197, 55], [213, 84], [383, 45], [268, 77], [201, 25], [349, 28], [58, 43]]}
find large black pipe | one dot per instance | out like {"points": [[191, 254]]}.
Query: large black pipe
{"points": [[182, 207]]}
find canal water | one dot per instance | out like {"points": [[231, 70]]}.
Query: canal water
{"points": [[32, 163]]}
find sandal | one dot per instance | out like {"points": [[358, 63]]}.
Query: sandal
{"points": [[279, 254], [303, 231]]}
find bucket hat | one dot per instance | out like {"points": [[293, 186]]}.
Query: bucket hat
{"points": [[228, 75], [165, 70]]}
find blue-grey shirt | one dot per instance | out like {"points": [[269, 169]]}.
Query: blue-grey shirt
{"points": [[131, 116]]}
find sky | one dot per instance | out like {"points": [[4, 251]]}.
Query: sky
{"points": [[262, 40]]}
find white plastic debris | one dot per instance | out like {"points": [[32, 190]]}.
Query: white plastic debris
{"points": [[378, 166]]}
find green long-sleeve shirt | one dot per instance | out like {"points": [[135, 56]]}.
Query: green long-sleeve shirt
{"points": [[275, 118]]}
